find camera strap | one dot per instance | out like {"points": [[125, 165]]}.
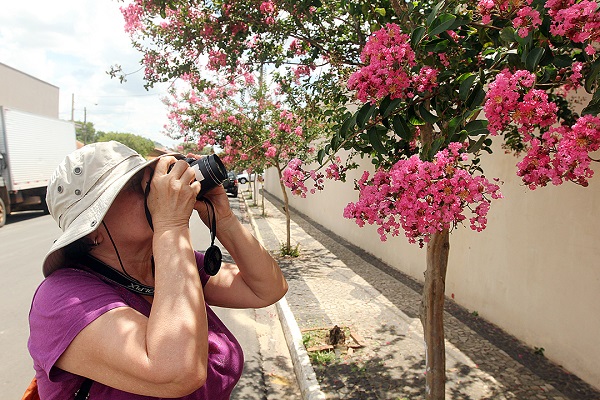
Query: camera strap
{"points": [[212, 256], [117, 277]]}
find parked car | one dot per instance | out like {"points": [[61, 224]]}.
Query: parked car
{"points": [[231, 184], [244, 177]]}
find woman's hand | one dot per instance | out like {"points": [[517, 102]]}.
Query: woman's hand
{"points": [[218, 197], [172, 193]]}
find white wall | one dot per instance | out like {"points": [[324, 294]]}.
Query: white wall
{"points": [[534, 271]]}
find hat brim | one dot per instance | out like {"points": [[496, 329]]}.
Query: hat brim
{"points": [[89, 220]]}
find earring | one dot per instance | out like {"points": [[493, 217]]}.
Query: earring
{"points": [[96, 241]]}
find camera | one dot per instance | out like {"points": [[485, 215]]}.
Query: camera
{"points": [[210, 172]]}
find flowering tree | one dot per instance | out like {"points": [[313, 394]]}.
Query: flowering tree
{"points": [[253, 130], [421, 76]]}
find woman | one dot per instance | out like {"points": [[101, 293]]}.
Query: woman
{"points": [[128, 215]]}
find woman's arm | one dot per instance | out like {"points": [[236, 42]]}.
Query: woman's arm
{"points": [[255, 280]]}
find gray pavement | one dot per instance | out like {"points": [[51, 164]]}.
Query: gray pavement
{"points": [[336, 283]]}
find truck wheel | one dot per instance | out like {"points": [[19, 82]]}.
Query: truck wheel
{"points": [[3, 213]]}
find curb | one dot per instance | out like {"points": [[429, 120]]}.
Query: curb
{"points": [[305, 374]]}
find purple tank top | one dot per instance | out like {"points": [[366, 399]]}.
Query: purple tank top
{"points": [[69, 299]]}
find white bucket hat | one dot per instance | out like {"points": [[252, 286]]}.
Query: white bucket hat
{"points": [[82, 189]]}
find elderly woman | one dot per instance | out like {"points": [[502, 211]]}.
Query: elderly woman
{"points": [[125, 219]]}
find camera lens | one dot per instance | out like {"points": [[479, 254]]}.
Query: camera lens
{"points": [[210, 172]]}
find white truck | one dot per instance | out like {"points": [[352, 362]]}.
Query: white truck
{"points": [[31, 147]]}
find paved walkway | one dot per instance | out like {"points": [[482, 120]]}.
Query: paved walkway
{"points": [[336, 283]]}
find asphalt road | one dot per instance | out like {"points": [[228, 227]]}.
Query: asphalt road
{"points": [[24, 241]]}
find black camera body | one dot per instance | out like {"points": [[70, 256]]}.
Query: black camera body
{"points": [[210, 172]]}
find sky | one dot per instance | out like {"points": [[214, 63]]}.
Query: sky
{"points": [[72, 44]]}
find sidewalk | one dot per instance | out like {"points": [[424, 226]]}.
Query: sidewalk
{"points": [[335, 283]]}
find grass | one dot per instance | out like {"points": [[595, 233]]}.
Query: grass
{"points": [[292, 251]]}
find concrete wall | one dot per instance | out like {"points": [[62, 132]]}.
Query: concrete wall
{"points": [[534, 271], [27, 93]]}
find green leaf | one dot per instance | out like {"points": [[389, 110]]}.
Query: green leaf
{"points": [[454, 123], [401, 128], [465, 86], [441, 24], [347, 126], [375, 139], [390, 108], [434, 12], [475, 146], [508, 34], [476, 97], [533, 58], [364, 114], [416, 36], [414, 120], [435, 146], [441, 46], [593, 107], [427, 115], [562, 61], [321, 156], [592, 76], [477, 127], [335, 141], [380, 11]]}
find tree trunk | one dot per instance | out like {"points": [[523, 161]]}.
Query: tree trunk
{"points": [[432, 315], [262, 197], [286, 209]]}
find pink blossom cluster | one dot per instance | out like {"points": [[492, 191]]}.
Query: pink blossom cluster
{"points": [[422, 197], [216, 60], [388, 59], [238, 27], [133, 15], [561, 154], [270, 150], [303, 70], [297, 47], [267, 7], [294, 176], [578, 21], [336, 171], [511, 100], [503, 8], [425, 80], [527, 19]]}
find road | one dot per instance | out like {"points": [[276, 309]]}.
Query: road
{"points": [[24, 241]]}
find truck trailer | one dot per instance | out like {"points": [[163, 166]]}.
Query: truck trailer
{"points": [[31, 147]]}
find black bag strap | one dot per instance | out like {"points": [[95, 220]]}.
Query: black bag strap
{"points": [[84, 391]]}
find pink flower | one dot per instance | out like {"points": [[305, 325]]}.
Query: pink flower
{"points": [[577, 21], [293, 177], [271, 152], [561, 154], [421, 197], [267, 7], [388, 59], [510, 101], [527, 19]]}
